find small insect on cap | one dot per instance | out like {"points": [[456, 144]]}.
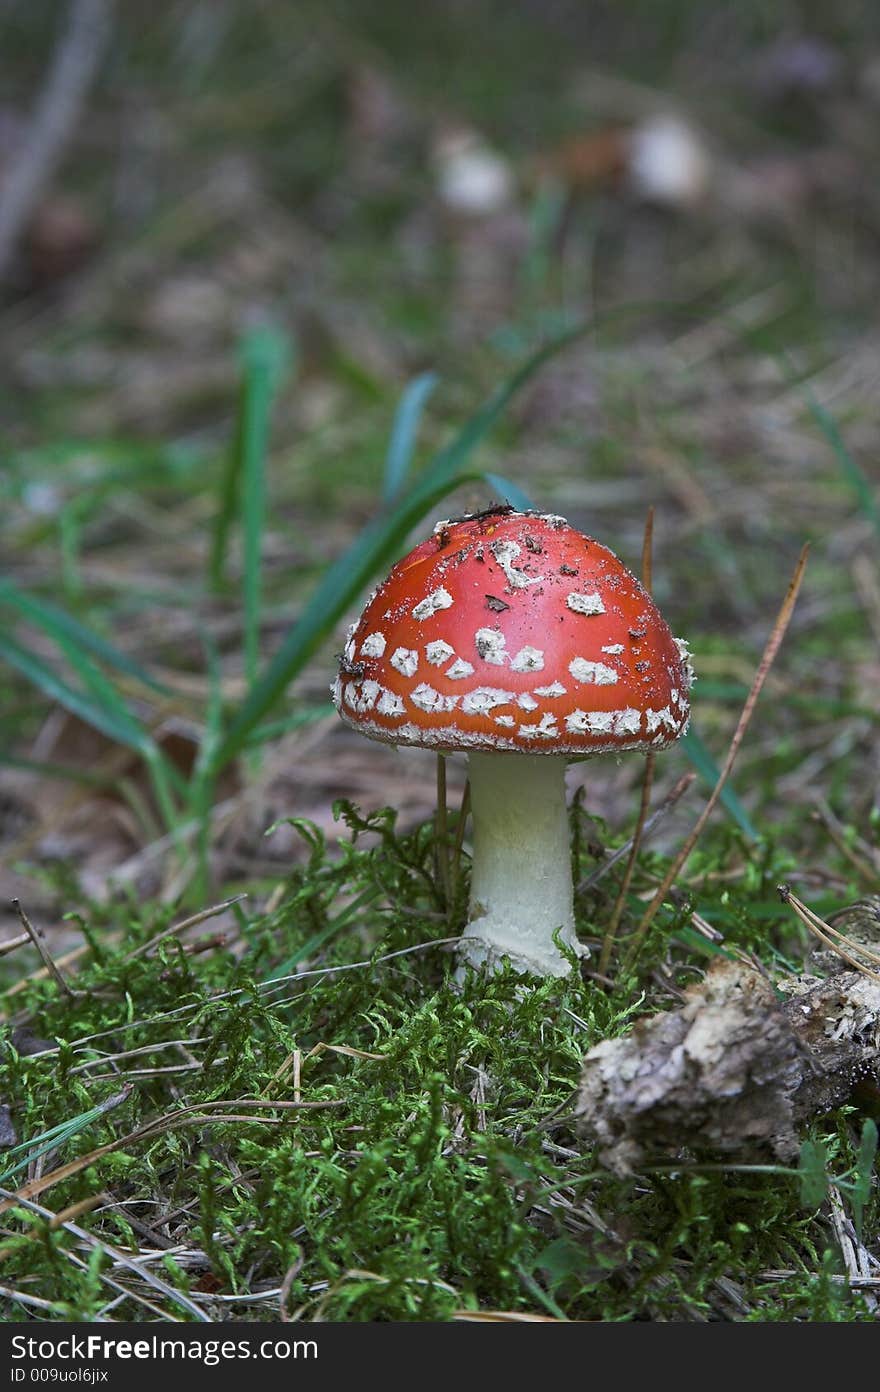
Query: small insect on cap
{"points": [[512, 631]]}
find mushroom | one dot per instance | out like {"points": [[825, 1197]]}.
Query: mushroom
{"points": [[518, 640], [668, 163], [473, 180]]}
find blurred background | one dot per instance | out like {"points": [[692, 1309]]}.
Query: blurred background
{"points": [[247, 247]]}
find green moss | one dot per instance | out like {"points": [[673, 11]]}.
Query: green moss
{"points": [[440, 1171]]}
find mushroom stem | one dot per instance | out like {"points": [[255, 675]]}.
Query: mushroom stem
{"points": [[521, 884]]}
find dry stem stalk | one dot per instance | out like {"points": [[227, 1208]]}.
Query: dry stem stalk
{"points": [[201, 917], [867, 863], [463, 812], [773, 643], [117, 1256], [441, 830], [647, 784], [12, 943], [71, 71], [675, 794], [838, 942], [48, 960]]}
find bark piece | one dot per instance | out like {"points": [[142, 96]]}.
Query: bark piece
{"points": [[734, 1071]]}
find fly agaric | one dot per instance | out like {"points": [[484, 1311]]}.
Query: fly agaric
{"points": [[515, 638]]}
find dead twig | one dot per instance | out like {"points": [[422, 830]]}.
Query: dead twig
{"points": [[48, 960], [195, 1115], [864, 572], [635, 846], [266, 989], [776, 636], [864, 859], [672, 797], [647, 784], [12, 943], [177, 928], [71, 71], [463, 812], [66, 960], [116, 1255], [856, 1257], [441, 831], [35, 1301], [66, 1215], [831, 937]]}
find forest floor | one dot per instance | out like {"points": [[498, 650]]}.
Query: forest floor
{"points": [[248, 1085]]}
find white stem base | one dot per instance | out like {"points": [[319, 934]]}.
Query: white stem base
{"points": [[521, 887]]}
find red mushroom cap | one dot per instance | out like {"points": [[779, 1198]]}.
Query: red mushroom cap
{"points": [[512, 631]]}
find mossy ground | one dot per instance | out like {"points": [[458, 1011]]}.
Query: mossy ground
{"points": [[438, 1173]]}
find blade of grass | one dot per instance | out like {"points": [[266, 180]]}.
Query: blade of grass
{"points": [[545, 221], [697, 943], [441, 832], [203, 783], [57, 1135], [708, 770], [274, 729], [59, 771], [404, 431], [128, 462], [78, 703], [265, 358], [346, 578], [69, 540], [862, 489], [330, 929], [816, 705], [864, 1172], [56, 623], [100, 706], [264, 355], [510, 492]]}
